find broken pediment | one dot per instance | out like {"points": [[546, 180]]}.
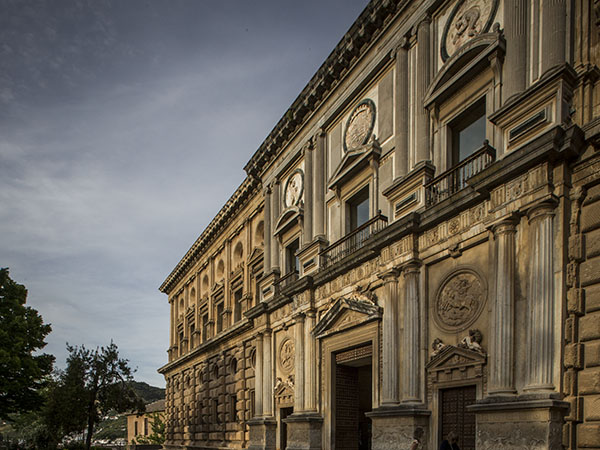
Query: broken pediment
{"points": [[344, 314]]}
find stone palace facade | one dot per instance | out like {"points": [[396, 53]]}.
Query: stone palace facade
{"points": [[416, 246]]}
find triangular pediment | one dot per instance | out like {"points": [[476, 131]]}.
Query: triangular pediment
{"points": [[344, 314], [455, 357], [353, 161], [256, 253]]}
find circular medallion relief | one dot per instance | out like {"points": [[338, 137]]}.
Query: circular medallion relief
{"points": [[293, 188], [460, 300], [468, 19], [286, 356], [360, 125]]}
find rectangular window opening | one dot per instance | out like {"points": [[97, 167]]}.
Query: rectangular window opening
{"points": [[292, 260], [468, 132], [358, 209]]}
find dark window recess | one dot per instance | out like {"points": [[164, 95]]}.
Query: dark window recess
{"points": [[135, 428], [237, 305], [233, 408], [252, 402], [358, 209], [219, 317], [145, 426], [215, 411], [292, 261], [205, 327], [468, 132]]}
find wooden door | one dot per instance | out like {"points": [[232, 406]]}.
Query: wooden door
{"points": [[454, 415]]}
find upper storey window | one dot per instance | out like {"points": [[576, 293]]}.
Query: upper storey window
{"points": [[292, 262], [358, 209], [468, 132]]}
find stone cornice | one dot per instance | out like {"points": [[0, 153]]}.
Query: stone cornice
{"points": [[237, 201], [366, 29]]}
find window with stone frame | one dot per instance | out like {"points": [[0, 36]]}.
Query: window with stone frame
{"points": [[357, 209], [292, 262], [219, 313], [205, 335], [237, 304], [467, 132]]}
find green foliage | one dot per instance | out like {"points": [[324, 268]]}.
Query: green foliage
{"points": [[157, 427], [95, 383], [112, 428], [22, 333]]}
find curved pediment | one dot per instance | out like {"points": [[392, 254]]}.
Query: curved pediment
{"points": [[464, 65], [289, 217], [353, 161], [344, 314]]}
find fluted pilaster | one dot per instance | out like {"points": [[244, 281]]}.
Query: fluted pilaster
{"points": [[502, 339], [299, 363], [275, 210], [267, 375], [515, 30], [554, 14], [319, 183], [310, 394], [308, 194], [540, 300], [268, 235], [389, 386], [422, 82], [411, 335], [258, 377], [402, 107]]}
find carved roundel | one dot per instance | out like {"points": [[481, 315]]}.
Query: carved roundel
{"points": [[286, 356], [293, 188], [468, 19], [360, 125], [460, 300]]}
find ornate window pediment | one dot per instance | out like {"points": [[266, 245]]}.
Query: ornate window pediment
{"points": [[353, 161], [346, 313], [455, 364], [465, 64], [284, 391], [289, 217]]}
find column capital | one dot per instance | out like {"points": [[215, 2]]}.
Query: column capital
{"points": [[389, 275], [298, 317], [412, 267], [506, 225], [541, 210]]}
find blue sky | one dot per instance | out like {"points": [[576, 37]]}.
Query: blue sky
{"points": [[124, 126]]}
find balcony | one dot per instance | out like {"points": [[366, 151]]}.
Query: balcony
{"points": [[455, 179], [287, 279], [353, 241]]}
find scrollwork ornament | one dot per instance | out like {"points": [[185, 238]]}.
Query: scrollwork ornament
{"points": [[286, 356], [460, 300]]}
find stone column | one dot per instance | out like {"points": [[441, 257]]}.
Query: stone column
{"points": [[515, 29], [402, 108], [540, 297], [275, 202], [501, 356], [422, 114], [554, 13], [267, 375], [389, 382], [319, 183], [267, 231], [258, 377], [310, 367], [411, 336], [308, 194], [299, 363]]}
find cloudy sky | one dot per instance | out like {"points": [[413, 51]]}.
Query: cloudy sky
{"points": [[124, 126]]}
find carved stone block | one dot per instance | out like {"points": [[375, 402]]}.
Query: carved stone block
{"points": [[589, 382], [575, 303], [589, 326], [592, 354]]}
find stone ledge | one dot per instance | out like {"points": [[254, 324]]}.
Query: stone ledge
{"points": [[399, 410], [519, 402], [304, 417]]}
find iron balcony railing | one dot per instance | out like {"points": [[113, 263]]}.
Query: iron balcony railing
{"points": [[455, 179], [353, 241]]}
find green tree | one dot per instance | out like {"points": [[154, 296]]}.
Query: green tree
{"points": [[22, 333], [94, 383], [158, 427]]}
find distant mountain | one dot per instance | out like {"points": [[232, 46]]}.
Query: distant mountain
{"points": [[148, 393]]}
